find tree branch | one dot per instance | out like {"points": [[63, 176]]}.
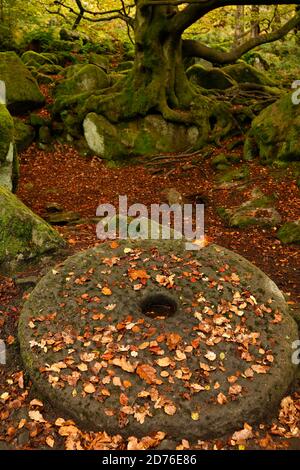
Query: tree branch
{"points": [[197, 49], [196, 9], [121, 13]]}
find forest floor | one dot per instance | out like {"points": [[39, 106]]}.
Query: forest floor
{"points": [[80, 184]]}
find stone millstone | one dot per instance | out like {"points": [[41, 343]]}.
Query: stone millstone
{"points": [[136, 338]]}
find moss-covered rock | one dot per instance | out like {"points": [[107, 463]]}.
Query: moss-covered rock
{"points": [[259, 210], [275, 133], [22, 91], [23, 235], [220, 160], [125, 66], [210, 78], [144, 136], [100, 60], [24, 134], [8, 155], [289, 232], [33, 59], [245, 73], [235, 174], [82, 78]]}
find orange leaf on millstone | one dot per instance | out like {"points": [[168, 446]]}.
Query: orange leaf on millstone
{"points": [[124, 364], [148, 374], [136, 274], [173, 339]]}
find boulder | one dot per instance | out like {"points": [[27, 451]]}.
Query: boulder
{"points": [[81, 79], [71, 36], [22, 91], [8, 155], [24, 135], [23, 235], [125, 66], [289, 232], [100, 60], [134, 346], [275, 133], [259, 210], [245, 73], [210, 78], [229, 175], [144, 136], [33, 59]]}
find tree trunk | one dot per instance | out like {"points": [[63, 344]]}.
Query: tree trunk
{"points": [[158, 81], [239, 24], [255, 27]]}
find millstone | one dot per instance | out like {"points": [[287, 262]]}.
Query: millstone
{"points": [[136, 338]]}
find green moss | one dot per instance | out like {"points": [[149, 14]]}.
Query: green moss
{"points": [[22, 91], [23, 135], [31, 58], [86, 78], [23, 235], [220, 159], [289, 232], [6, 132], [257, 211], [236, 174], [210, 78], [275, 133], [245, 73]]}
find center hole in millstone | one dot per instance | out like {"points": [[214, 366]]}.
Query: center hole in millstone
{"points": [[158, 306]]}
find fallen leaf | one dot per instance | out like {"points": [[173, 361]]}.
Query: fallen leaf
{"points": [[36, 416], [148, 374]]}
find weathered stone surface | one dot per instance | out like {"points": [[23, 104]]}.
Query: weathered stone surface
{"points": [[275, 133], [210, 78], [259, 210], [144, 136], [128, 339], [23, 235], [22, 92], [289, 232], [8, 155]]}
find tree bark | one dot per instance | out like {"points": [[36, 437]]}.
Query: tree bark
{"points": [[255, 27], [158, 72], [239, 24]]}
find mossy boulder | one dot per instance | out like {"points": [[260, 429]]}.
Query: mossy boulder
{"points": [[259, 210], [100, 60], [125, 66], [33, 59], [22, 91], [71, 36], [245, 73], [144, 136], [289, 232], [24, 134], [210, 78], [232, 174], [23, 235], [8, 155], [220, 161], [81, 79], [275, 133]]}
